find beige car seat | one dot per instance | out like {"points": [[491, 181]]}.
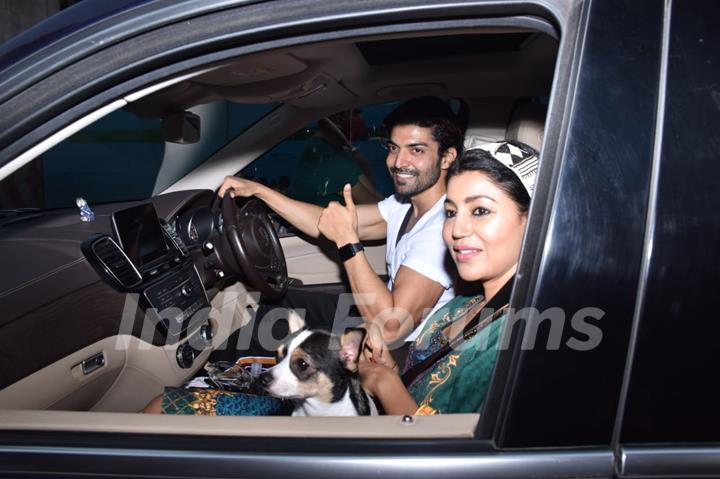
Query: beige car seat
{"points": [[527, 124]]}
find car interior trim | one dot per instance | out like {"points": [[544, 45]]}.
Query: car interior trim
{"points": [[37, 279], [18, 143], [62, 384], [386, 427], [135, 96], [238, 154]]}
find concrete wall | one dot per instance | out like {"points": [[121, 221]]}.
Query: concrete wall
{"points": [[19, 15]]}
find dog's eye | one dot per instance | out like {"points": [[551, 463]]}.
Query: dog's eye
{"points": [[301, 365]]}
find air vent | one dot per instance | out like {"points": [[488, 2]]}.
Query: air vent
{"points": [[116, 262]]}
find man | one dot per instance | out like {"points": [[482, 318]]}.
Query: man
{"points": [[425, 139]]}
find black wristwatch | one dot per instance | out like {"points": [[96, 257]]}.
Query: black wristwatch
{"points": [[349, 250]]}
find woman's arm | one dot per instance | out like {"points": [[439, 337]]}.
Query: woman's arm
{"points": [[384, 383]]}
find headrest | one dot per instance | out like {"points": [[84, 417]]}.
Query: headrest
{"points": [[527, 125]]}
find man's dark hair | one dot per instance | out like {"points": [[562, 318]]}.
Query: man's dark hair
{"points": [[430, 112]]}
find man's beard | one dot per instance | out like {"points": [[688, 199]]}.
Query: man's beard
{"points": [[421, 181]]}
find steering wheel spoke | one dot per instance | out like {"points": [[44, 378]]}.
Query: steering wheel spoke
{"points": [[255, 245]]}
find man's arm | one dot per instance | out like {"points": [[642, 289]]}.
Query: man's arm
{"points": [[303, 216], [396, 312]]}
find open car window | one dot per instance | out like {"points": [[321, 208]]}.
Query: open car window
{"points": [[307, 92]]}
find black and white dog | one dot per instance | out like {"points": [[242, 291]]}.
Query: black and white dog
{"points": [[318, 371]]}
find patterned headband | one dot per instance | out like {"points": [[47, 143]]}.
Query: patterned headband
{"points": [[519, 157]]}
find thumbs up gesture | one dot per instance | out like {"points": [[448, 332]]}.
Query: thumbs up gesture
{"points": [[338, 223]]}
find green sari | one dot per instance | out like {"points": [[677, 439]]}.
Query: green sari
{"points": [[459, 381]]}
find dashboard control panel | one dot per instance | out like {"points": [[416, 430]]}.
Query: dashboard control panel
{"points": [[178, 300]]}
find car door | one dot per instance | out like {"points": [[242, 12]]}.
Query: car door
{"points": [[668, 424], [551, 411]]}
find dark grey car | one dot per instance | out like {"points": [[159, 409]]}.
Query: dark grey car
{"points": [[155, 102]]}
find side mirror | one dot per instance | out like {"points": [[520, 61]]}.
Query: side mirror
{"points": [[181, 127]]}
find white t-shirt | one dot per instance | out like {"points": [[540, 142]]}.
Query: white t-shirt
{"points": [[421, 249]]}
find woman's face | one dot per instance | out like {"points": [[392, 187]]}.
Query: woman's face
{"points": [[483, 228]]}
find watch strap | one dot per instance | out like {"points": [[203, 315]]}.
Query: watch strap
{"points": [[350, 250]]}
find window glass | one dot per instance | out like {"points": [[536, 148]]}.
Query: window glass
{"points": [[122, 157], [222, 121], [347, 147]]}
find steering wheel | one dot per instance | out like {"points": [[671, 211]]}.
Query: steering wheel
{"points": [[255, 245]]}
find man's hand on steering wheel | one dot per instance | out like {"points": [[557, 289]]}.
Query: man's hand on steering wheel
{"points": [[239, 187], [252, 239]]}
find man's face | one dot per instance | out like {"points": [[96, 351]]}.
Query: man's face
{"points": [[413, 159]]}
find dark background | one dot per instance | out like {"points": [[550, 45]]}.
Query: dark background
{"points": [[19, 15]]}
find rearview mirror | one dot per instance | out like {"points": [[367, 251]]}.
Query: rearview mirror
{"points": [[181, 127]]}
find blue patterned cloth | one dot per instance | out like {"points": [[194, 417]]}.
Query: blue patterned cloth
{"points": [[213, 402]]}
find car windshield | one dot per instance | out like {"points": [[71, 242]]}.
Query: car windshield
{"points": [[121, 157]]}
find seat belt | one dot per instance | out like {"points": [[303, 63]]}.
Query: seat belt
{"points": [[489, 313]]}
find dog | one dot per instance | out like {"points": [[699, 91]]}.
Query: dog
{"points": [[318, 371]]}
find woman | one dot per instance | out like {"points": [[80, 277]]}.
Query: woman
{"points": [[488, 195], [486, 212]]}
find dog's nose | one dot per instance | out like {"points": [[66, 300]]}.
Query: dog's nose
{"points": [[265, 378]]}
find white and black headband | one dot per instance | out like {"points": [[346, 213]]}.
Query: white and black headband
{"points": [[519, 157]]}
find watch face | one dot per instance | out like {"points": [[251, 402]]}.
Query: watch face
{"points": [[349, 250]]}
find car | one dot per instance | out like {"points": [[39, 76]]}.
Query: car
{"points": [[139, 109]]}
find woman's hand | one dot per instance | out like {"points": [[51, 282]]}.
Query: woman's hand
{"points": [[374, 375], [386, 386], [376, 363], [238, 187], [375, 348]]}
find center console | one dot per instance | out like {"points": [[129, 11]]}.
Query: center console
{"points": [[177, 299], [147, 259]]}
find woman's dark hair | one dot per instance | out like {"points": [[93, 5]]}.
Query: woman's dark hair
{"points": [[431, 112], [503, 177]]}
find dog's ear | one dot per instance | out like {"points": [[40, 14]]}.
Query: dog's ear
{"points": [[350, 343], [295, 322]]}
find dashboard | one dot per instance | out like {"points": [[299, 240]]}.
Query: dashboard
{"points": [[149, 258], [147, 270]]}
